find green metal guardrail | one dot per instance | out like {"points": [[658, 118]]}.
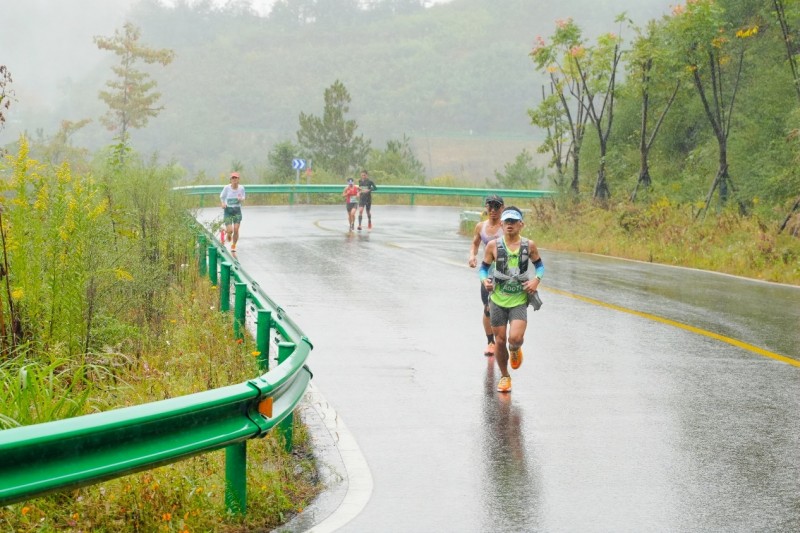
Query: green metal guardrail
{"points": [[80, 451], [293, 189]]}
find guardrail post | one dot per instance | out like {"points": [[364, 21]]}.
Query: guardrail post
{"points": [[263, 326], [212, 264], [286, 427], [239, 309], [225, 287], [201, 254], [236, 478], [412, 198]]}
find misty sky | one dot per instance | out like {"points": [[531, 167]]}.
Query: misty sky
{"points": [[263, 6], [48, 44]]}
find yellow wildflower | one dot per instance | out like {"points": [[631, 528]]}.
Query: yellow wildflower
{"points": [[748, 32]]}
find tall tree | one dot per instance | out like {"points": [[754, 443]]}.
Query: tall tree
{"points": [[550, 116], [131, 99], [557, 60], [649, 76], [597, 69], [791, 44], [331, 140], [713, 52]]}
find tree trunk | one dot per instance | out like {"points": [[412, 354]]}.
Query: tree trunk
{"points": [[789, 215], [575, 173], [723, 172], [644, 175], [722, 178], [601, 186]]}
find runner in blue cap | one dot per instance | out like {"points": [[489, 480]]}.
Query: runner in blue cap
{"points": [[512, 286]]}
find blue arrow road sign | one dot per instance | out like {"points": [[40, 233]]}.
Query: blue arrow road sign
{"points": [[298, 164]]}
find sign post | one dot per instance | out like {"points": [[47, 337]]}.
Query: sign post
{"points": [[298, 165], [308, 180]]}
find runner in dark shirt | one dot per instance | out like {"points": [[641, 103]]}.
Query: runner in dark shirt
{"points": [[365, 186]]}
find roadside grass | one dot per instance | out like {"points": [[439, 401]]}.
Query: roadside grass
{"points": [[664, 233], [194, 350]]}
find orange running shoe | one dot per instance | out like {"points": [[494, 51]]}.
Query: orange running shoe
{"points": [[504, 385], [516, 358], [233, 247], [489, 351]]}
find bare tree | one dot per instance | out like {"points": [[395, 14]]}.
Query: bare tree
{"points": [[791, 56], [557, 60], [597, 71], [706, 46], [645, 56]]}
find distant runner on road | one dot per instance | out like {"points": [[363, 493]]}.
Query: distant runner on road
{"points": [[350, 194], [365, 186], [232, 199]]}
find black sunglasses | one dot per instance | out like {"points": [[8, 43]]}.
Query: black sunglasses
{"points": [[493, 205]]}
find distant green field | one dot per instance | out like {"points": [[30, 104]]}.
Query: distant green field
{"points": [[471, 158]]}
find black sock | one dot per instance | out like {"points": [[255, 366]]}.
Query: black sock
{"points": [[490, 338]]}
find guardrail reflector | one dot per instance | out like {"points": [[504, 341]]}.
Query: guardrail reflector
{"points": [[265, 407]]}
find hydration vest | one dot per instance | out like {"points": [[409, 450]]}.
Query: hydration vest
{"points": [[501, 261], [501, 274]]}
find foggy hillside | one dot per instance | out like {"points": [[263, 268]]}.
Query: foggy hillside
{"points": [[455, 78]]}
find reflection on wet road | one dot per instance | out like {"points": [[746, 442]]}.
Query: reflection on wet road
{"points": [[620, 419]]}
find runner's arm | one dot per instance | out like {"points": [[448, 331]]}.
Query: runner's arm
{"points": [[489, 256], [476, 242], [534, 257]]}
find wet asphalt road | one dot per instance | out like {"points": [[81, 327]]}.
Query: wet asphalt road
{"points": [[619, 419]]}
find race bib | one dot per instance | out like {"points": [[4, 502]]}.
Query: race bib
{"points": [[353, 199], [511, 287]]}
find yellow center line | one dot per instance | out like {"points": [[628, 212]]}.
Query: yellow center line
{"points": [[706, 333]]}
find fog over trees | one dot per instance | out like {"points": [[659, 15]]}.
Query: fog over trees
{"points": [[450, 77]]}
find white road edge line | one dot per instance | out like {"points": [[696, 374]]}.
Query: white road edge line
{"points": [[359, 477]]}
